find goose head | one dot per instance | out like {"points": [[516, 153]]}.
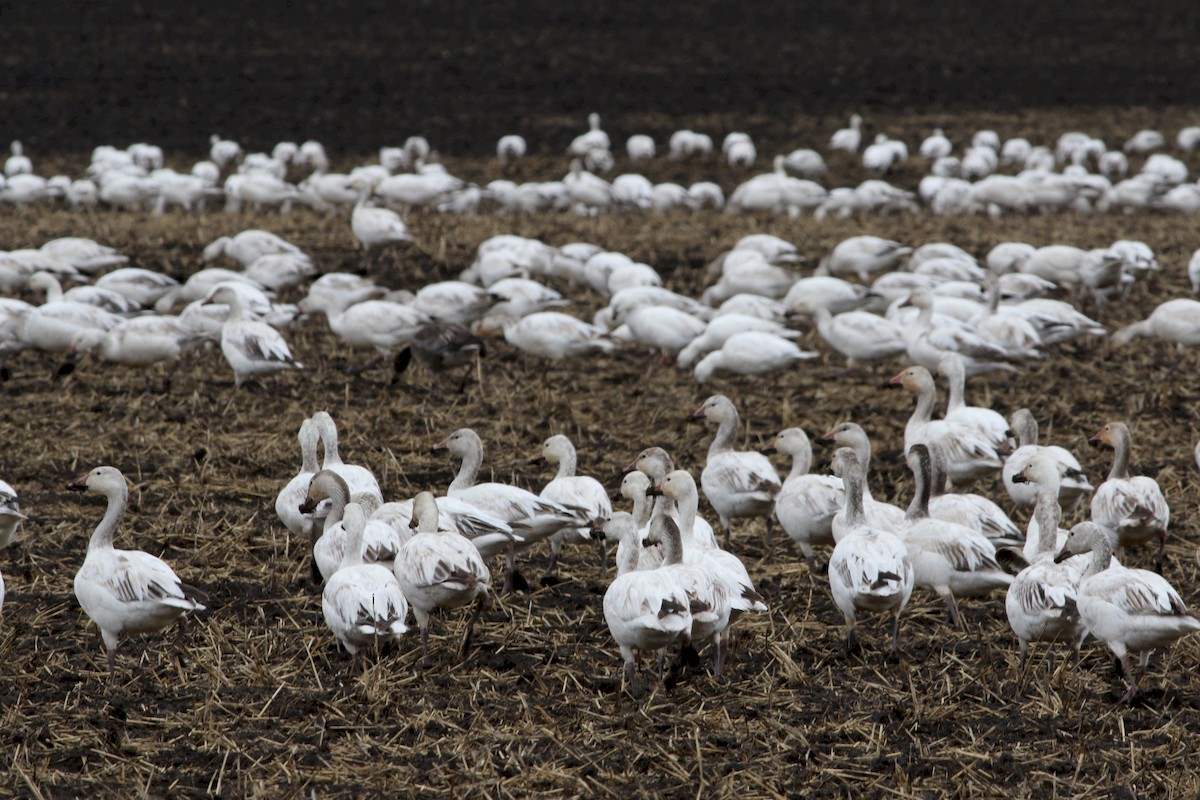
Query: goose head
{"points": [[915, 379], [634, 483], [1042, 469], [655, 462], [1083, 538], [715, 409], [102, 480], [460, 443], [678, 485], [325, 485], [1107, 437]]}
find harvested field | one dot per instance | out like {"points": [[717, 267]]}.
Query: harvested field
{"points": [[255, 700]]}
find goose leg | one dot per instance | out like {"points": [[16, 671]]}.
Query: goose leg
{"points": [[895, 634], [1131, 676], [952, 610]]}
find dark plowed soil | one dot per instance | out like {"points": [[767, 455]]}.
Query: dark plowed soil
{"points": [[254, 699]]}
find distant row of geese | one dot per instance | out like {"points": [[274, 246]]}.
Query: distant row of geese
{"points": [[937, 300], [1046, 178]]}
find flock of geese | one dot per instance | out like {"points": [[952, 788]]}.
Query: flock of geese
{"points": [[936, 307], [987, 174]]}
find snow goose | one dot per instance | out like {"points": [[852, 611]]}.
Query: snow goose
{"points": [[279, 271], [363, 603], [248, 246], [859, 335], [1055, 320], [747, 271], [287, 502], [969, 454], [951, 559], [869, 569], [807, 503], [223, 151], [656, 463], [104, 298], [936, 145], [806, 163], [589, 193], [708, 599], [511, 147], [1175, 320], [927, 342], [973, 511], [751, 353], [594, 139], [680, 487], [520, 297], [1131, 610], [722, 327], [125, 591], [835, 294], [453, 301], [1134, 507], [359, 479], [990, 423], [439, 568], [645, 609], [662, 328], [251, 346], [862, 255], [85, 255], [878, 514], [378, 324], [200, 283], [753, 305], [18, 163], [571, 491], [537, 519], [1074, 485], [1041, 601], [53, 326], [139, 342], [636, 488], [554, 335], [736, 483], [848, 139], [10, 513], [381, 542], [376, 227]]}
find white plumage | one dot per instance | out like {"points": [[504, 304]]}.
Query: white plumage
{"points": [[362, 603], [125, 591]]}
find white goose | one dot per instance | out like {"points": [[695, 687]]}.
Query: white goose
{"points": [[287, 502], [680, 487], [139, 342], [1175, 320], [927, 343], [636, 487], [848, 139], [53, 326], [360, 480], [555, 336], [85, 255], [381, 542], [708, 599], [878, 514], [807, 503], [736, 483], [859, 335], [969, 454], [376, 227], [1134, 507], [645, 610], [10, 513], [536, 518], [378, 324], [125, 591], [362, 602], [440, 568], [751, 353], [870, 569], [1074, 485], [656, 463], [862, 255], [251, 346], [144, 287], [571, 491], [1041, 601], [1131, 610], [990, 423], [721, 328], [248, 246], [107, 299], [951, 559]]}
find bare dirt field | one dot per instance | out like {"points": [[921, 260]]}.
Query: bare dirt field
{"points": [[256, 700]]}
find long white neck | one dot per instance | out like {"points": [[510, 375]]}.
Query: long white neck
{"points": [[566, 464], [1046, 516], [955, 387], [308, 453], [726, 430], [801, 460], [102, 536], [854, 499], [924, 408], [468, 470], [672, 543], [641, 509], [1121, 447], [1102, 552], [687, 502]]}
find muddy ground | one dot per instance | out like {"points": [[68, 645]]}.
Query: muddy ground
{"points": [[256, 700]]}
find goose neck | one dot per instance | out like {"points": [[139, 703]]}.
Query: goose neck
{"points": [[102, 536], [1121, 448], [468, 470], [723, 441]]}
